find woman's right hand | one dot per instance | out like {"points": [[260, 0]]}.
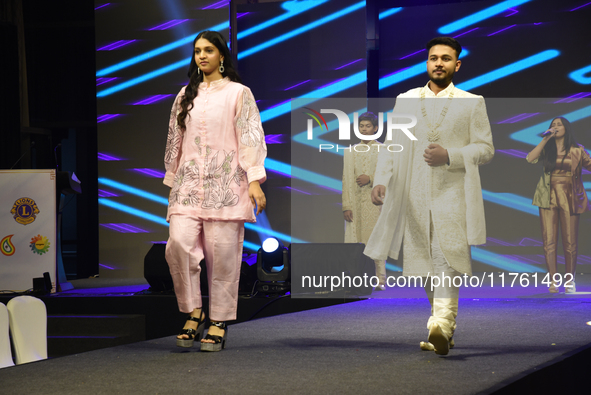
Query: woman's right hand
{"points": [[551, 133]]}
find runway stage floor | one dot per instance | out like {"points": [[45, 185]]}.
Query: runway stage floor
{"points": [[364, 347]]}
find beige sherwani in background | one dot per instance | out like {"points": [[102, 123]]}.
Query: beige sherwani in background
{"points": [[451, 192], [356, 198], [361, 159]]}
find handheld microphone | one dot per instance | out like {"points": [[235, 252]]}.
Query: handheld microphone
{"points": [[547, 132]]}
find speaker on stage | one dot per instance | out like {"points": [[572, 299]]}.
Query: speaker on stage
{"points": [[157, 274]]}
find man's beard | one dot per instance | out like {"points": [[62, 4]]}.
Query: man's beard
{"points": [[443, 80]]}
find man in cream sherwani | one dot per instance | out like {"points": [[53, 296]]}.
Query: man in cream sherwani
{"points": [[431, 195]]}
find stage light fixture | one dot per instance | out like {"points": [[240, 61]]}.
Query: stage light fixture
{"points": [[273, 267]]}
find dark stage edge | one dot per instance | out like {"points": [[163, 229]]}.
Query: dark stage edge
{"points": [[366, 347], [104, 296]]}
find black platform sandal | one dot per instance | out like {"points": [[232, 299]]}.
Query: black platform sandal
{"points": [[194, 334], [219, 341]]}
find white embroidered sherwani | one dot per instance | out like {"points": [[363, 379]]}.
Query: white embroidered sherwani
{"points": [[361, 159], [451, 193]]}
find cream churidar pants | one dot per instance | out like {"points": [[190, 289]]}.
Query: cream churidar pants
{"points": [[443, 299]]}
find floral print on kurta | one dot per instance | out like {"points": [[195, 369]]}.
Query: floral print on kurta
{"points": [[210, 165]]}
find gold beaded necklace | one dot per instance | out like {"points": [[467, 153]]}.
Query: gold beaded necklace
{"points": [[433, 134]]}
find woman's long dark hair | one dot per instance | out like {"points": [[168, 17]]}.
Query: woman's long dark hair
{"points": [[195, 78], [550, 151]]}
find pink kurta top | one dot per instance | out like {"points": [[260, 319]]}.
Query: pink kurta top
{"points": [[210, 165]]}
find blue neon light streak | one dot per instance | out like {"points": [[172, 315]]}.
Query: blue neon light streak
{"points": [[250, 246], [315, 95], [263, 221], [410, 72], [511, 200], [142, 78], [133, 211], [530, 135], [504, 262], [157, 51], [293, 7], [389, 12], [342, 85], [303, 174], [487, 257], [155, 218], [393, 267], [133, 191], [480, 16], [512, 68], [579, 75], [271, 232], [164, 201], [302, 29], [354, 79], [315, 178]]}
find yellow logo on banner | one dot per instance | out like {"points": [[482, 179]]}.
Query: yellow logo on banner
{"points": [[25, 211], [6, 246], [39, 244]]}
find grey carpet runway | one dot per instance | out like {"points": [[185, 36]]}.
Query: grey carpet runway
{"points": [[366, 347]]}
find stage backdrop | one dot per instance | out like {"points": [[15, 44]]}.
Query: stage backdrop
{"points": [[318, 49]]}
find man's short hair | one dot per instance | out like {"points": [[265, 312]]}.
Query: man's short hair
{"points": [[450, 42], [369, 116]]}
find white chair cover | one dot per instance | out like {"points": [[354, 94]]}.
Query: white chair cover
{"points": [[28, 325], [5, 352]]}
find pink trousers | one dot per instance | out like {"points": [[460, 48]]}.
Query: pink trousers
{"points": [[220, 243]]}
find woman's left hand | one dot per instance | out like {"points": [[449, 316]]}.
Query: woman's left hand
{"points": [[257, 197]]}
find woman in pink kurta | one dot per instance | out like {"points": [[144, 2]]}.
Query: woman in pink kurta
{"points": [[214, 161]]}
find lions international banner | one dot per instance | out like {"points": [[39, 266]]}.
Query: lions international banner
{"points": [[27, 227]]}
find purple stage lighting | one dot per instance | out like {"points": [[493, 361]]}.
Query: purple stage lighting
{"points": [[106, 157], [169, 24], [103, 193], [502, 30], [298, 190], [104, 80], [514, 11], [102, 6], [581, 6], [331, 83], [151, 99], [150, 172], [527, 242], [574, 97], [216, 5], [115, 45], [345, 65], [513, 152], [274, 139], [106, 117], [125, 228], [414, 53], [520, 117], [461, 34], [492, 241], [291, 87]]}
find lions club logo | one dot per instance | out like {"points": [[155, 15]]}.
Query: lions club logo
{"points": [[39, 244], [6, 246], [25, 211]]}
